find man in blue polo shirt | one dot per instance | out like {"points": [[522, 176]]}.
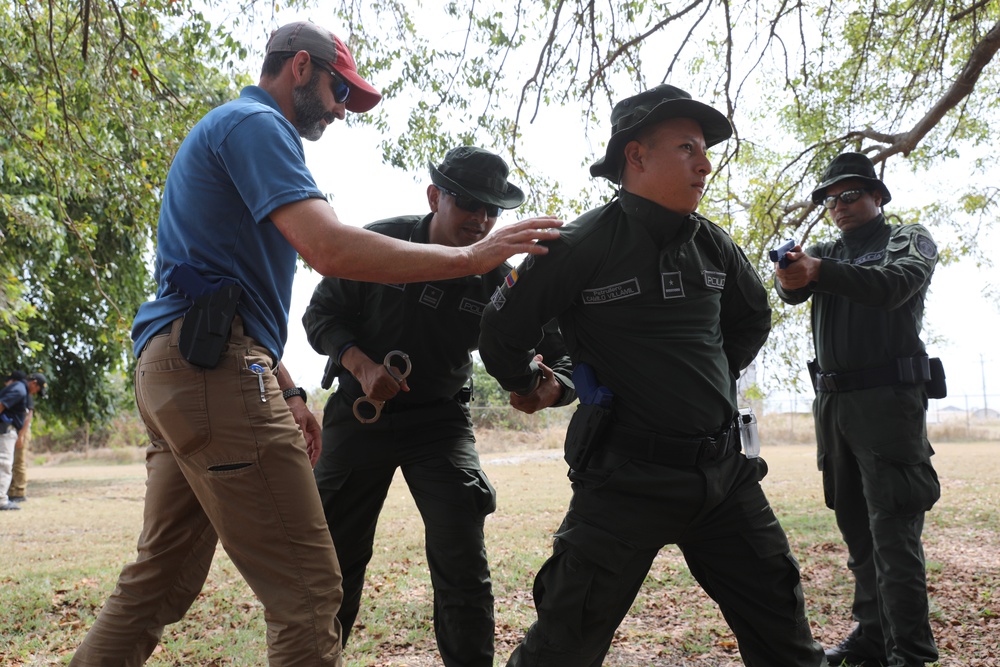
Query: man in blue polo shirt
{"points": [[232, 439]]}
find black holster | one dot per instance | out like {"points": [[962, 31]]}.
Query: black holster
{"points": [[207, 324], [583, 435]]}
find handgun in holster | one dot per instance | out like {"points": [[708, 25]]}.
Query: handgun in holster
{"points": [[591, 419], [208, 321], [329, 373]]}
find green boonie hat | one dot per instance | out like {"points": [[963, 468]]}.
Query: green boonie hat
{"points": [[850, 165], [648, 108], [322, 44], [479, 174]]}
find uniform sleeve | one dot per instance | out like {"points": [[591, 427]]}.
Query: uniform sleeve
{"points": [[542, 287], [910, 259], [745, 313], [332, 320]]}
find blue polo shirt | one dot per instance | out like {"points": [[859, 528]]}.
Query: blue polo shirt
{"points": [[239, 163], [14, 398]]}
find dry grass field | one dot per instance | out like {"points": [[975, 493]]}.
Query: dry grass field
{"points": [[62, 552]]}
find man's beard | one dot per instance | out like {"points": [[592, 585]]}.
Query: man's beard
{"points": [[309, 110]]}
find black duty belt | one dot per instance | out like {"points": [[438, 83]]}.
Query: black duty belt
{"points": [[670, 450], [907, 370]]}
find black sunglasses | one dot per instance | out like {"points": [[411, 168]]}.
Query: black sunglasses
{"points": [[471, 204], [341, 91], [847, 196]]}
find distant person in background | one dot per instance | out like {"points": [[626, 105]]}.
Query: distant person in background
{"points": [[871, 377], [14, 396], [18, 491], [424, 425]]}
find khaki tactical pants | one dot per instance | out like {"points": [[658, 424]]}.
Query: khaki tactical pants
{"points": [[222, 465]]}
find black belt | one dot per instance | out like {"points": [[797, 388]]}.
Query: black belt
{"points": [[670, 450], [907, 370]]}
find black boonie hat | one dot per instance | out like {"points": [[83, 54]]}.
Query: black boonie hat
{"points": [[850, 165], [647, 108], [477, 173]]}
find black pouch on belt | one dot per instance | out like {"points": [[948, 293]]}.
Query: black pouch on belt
{"points": [[206, 326], [583, 435], [936, 386]]}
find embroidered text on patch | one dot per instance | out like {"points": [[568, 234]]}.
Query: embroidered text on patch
{"points": [[715, 279], [673, 287], [622, 290], [511, 278], [431, 296], [469, 306], [870, 257]]}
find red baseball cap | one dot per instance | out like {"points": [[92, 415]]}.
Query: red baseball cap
{"points": [[322, 44]]}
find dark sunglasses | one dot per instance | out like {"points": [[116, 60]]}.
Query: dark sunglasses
{"points": [[471, 204], [847, 196], [341, 91]]}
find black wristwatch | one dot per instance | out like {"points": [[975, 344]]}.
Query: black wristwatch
{"points": [[295, 391]]}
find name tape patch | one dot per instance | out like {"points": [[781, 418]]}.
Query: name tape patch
{"points": [[623, 290]]}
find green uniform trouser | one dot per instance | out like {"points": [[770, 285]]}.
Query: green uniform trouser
{"points": [[623, 511], [878, 478], [435, 448]]}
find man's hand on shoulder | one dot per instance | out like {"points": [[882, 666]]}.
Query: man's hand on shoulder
{"points": [[518, 238]]}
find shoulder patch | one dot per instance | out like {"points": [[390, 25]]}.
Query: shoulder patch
{"points": [[498, 299], [925, 246], [511, 278]]}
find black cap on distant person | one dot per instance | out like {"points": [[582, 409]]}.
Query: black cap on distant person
{"points": [[651, 106], [322, 44], [40, 379]]}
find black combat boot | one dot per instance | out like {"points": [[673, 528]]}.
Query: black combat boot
{"points": [[856, 651]]}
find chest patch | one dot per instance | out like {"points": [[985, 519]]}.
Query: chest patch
{"points": [[673, 286], [431, 296], [623, 290], [715, 279], [467, 305], [498, 299], [870, 257]]}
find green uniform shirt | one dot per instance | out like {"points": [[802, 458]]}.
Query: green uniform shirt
{"points": [[435, 323], [868, 305], [666, 308]]}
